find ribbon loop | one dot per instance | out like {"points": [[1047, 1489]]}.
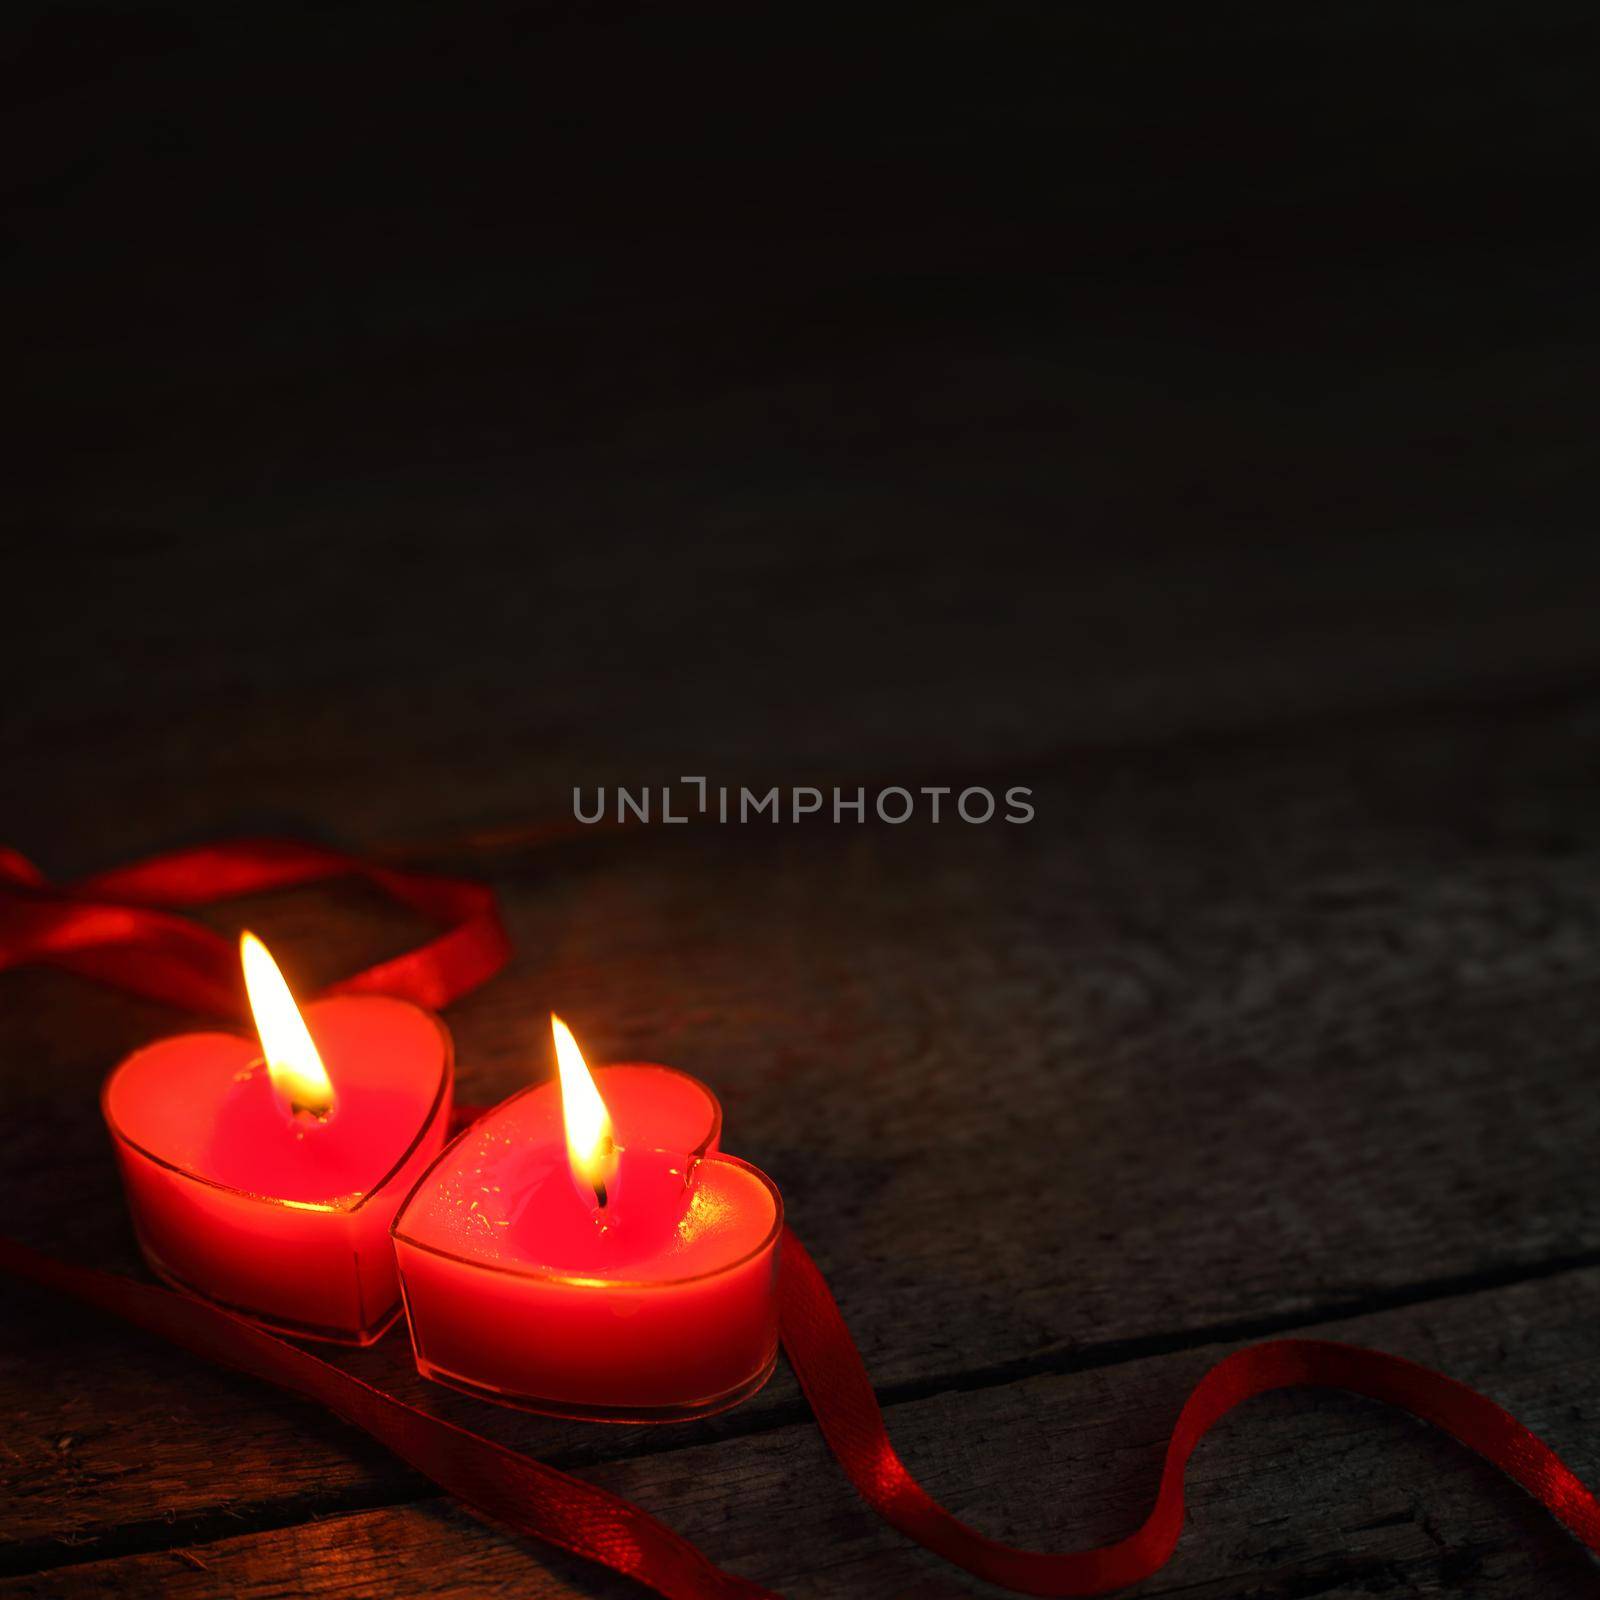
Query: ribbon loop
{"points": [[118, 927]]}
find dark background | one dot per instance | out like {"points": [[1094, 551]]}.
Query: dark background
{"points": [[1186, 411], [583, 393]]}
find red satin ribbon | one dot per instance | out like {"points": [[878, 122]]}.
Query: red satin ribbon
{"points": [[525, 1495], [129, 939], [830, 1370], [118, 928]]}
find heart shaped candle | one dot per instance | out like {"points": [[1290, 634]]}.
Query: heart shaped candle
{"points": [[265, 1176], [587, 1251]]}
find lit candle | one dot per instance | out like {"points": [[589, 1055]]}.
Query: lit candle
{"points": [[264, 1176], [585, 1249]]}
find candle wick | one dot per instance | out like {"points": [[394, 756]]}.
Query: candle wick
{"points": [[600, 1195]]}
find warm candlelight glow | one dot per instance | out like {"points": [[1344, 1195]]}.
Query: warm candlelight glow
{"points": [[591, 1152], [297, 1071]]}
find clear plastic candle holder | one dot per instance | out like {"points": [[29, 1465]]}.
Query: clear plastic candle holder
{"points": [[661, 1307], [288, 1225]]}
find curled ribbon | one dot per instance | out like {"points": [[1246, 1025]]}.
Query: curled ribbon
{"points": [[830, 1370], [117, 928]]}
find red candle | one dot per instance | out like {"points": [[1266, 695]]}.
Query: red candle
{"points": [[587, 1251], [264, 1176]]}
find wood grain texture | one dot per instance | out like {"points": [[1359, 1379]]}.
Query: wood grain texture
{"points": [[1219, 1042], [1298, 1494]]}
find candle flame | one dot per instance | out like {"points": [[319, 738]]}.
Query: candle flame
{"points": [[292, 1060], [591, 1152]]}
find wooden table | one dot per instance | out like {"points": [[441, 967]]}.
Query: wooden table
{"points": [[1254, 536]]}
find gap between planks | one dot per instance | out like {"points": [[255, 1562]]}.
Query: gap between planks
{"points": [[158, 1534]]}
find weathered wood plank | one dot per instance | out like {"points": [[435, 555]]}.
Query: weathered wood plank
{"points": [[1238, 1033], [1299, 1494]]}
